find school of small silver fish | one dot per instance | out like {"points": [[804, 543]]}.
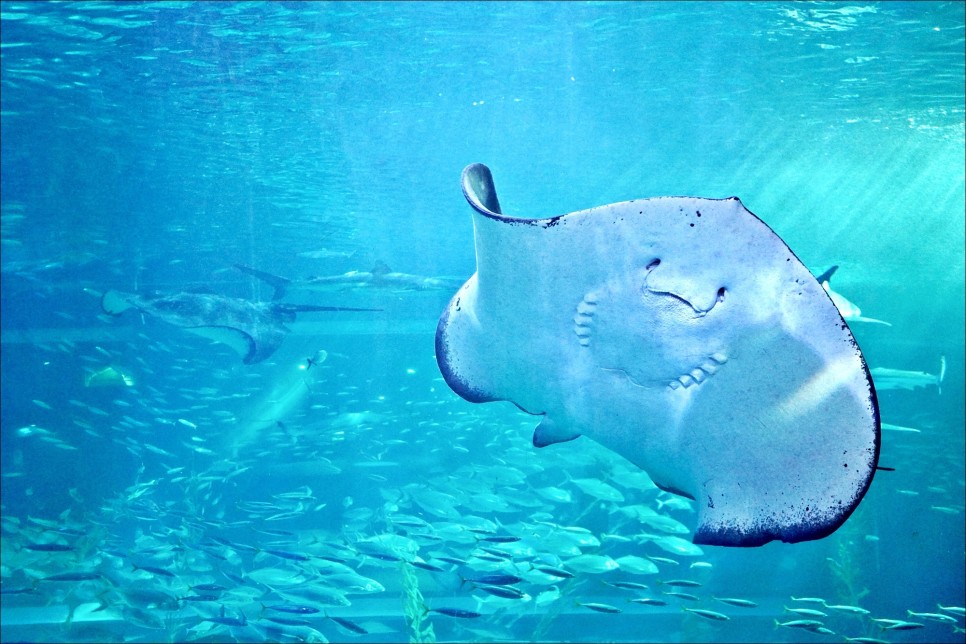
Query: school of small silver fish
{"points": [[380, 510]]}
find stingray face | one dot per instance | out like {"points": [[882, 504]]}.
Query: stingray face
{"points": [[660, 327]]}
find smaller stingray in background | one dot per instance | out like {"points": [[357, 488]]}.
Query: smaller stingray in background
{"points": [[253, 329], [380, 277], [110, 376], [850, 312], [886, 378]]}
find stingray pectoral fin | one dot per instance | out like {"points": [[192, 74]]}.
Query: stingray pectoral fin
{"points": [[114, 303], [243, 343], [797, 464], [463, 351], [479, 190], [549, 433]]}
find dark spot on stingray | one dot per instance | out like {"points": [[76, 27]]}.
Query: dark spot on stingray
{"points": [[553, 221], [698, 213], [692, 225]]}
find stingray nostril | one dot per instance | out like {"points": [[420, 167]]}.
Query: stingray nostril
{"points": [[654, 264], [721, 294]]}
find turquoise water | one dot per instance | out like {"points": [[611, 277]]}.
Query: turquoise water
{"points": [[150, 147]]}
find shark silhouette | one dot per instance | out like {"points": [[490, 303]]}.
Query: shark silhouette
{"points": [[380, 277], [254, 329]]}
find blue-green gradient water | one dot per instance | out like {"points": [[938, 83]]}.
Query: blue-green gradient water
{"points": [[155, 488]]}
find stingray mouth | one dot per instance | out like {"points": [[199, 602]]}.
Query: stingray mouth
{"points": [[699, 311]]}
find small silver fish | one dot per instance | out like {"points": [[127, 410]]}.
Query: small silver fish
{"points": [[936, 617], [707, 614], [600, 608], [735, 601]]}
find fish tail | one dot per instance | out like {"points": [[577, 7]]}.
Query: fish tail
{"points": [[942, 373]]}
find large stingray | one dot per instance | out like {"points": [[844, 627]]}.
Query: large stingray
{"points": [[683, 334], [253, 329]]}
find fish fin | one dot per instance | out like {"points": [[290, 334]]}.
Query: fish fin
{"points": [[548, 433], [380, 268], [276, 282], [827, 275], [479, 190], [243, 343], [942, 373]]}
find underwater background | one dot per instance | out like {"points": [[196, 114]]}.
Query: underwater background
{"points": [[156, 488]]}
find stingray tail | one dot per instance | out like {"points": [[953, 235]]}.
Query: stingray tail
{"points": [[276, 282]]}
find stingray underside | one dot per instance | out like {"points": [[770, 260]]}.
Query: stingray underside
{"points": [[683, 334]]}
